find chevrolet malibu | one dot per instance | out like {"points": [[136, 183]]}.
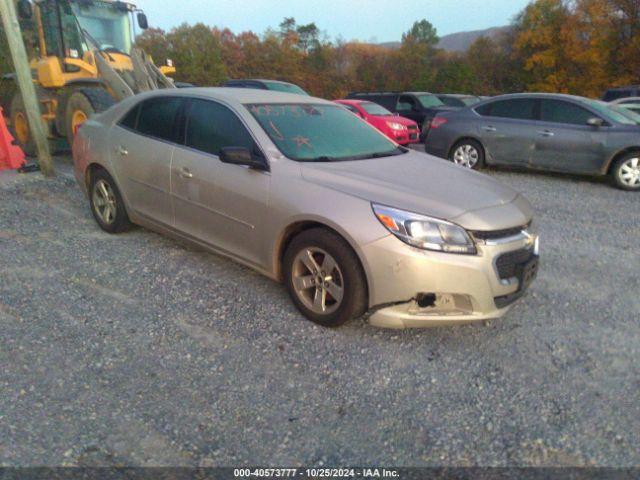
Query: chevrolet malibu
{"points": [[306, 193]]}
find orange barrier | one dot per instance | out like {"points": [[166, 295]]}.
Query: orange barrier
{"points": [[11, 156]]}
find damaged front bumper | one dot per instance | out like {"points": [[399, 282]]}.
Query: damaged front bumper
{"points": [[410, 287]]}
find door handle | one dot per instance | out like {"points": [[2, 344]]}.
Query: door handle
{"points": [[122, 151], [489, 129], [546, 133], [184, 172]]}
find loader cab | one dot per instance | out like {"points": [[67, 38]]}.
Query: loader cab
{"points": [[71, 29]]}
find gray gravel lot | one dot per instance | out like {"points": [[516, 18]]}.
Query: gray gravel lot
{"points": [[133, 349]]}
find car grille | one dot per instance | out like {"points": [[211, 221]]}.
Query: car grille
{"points": [[498, 234], [508, 263], [412, 127]]}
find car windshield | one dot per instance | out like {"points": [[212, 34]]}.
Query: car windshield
{"points": [[324, 133], [375, 109], [627, 111], [285, 87], [428, 100], [106, 23], [470, 100], [609, 113]]}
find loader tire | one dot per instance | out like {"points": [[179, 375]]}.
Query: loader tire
{"points": [[20, 126], [81, 104]]}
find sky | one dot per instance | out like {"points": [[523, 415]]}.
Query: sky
{"points": [[365, 20]]}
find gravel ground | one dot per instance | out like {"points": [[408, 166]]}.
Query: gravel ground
{"points": [[133, 349]]}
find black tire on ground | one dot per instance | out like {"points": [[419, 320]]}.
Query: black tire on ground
{"points": [[87, 100], [473, 144], [17, 109], [625, 166], [354, 301], [120, 222]]}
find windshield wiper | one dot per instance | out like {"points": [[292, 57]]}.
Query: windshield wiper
{"points": [[322, 158], [391, 153]]}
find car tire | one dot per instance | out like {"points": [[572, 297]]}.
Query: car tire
{"points": [[106, 203], [324, 278], [626, 172], [468, 153]]}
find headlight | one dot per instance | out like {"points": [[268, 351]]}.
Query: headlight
{"points": [[425, 232], [396, 126]]}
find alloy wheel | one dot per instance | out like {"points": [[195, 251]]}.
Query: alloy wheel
{"points": [[317, 280], [629, 172], [104, 201], [466, 155]]}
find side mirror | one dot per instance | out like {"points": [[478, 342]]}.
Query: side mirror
{"points": [[595, 122], [241, 156], [142, 21], [24, 9]]}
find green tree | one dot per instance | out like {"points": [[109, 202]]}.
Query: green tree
{"points": [[422, 32], [196, 52]]}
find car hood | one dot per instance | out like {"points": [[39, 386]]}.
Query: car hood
{"points": [[426, 185], [394, 118]]}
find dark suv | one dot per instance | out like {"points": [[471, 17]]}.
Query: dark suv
{"points": [[621, 92], [418, 106], [259, 84]]}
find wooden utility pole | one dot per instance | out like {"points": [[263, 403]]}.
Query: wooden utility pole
{"points": [[25, 82]]}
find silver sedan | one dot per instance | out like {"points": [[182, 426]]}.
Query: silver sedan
{"points": [[308, 194]]}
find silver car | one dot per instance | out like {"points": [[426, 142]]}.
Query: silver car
{"points": [[306, 193], [561, 133]]}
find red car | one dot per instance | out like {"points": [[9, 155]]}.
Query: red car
{"points": [[402, 130]]}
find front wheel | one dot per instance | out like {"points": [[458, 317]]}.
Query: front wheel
{"points": [[468, 153], [626, 171], [324, 278], [106, 203], [80, 105]]}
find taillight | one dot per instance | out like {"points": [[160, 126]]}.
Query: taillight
{"points": [[438, 122]]}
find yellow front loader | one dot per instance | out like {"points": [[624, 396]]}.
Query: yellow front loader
{"points": [[85, 63]]}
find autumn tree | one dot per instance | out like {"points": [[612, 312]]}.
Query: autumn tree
{"points": [[541, 40]]}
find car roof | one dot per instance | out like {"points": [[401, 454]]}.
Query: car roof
{"points": [[259, 80], [352, 101], [237, 95], [558, 96], [613, 89], [456, 95]]}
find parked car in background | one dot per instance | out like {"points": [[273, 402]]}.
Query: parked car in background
{"points": [[399, 129], [304, 192], [420, 107], [628, 103], [621, 92], [259, 84], [457, 100], [541, 131]]}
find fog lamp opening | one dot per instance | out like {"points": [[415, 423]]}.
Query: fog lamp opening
{"points": [[425, 300]]}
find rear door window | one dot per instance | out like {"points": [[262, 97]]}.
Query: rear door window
{"points": [[211, 126], [559, 111], [130, 120], [516, 108], [406, 103], [158, 118]]}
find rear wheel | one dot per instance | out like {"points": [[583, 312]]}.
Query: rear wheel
{"points": [[324, 278], [626, 171], [81, 104], [468, 153]]}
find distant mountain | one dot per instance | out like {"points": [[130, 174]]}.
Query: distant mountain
{"points": [[460, 41]]}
